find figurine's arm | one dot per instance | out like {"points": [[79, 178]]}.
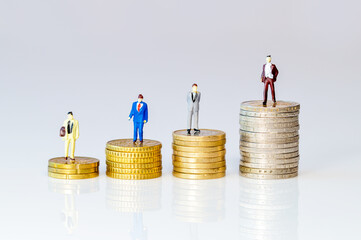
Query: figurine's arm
{"points": [[131, 112], [199, 96], [275, 74], [76, 129], [146, 114], [262, 75]]}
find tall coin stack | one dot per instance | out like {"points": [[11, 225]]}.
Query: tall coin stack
{"points": [[81, 168], [126, 160], [199, 155], [269, 140]]}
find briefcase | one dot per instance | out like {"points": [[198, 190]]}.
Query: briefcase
{"points": [[62, 131]]}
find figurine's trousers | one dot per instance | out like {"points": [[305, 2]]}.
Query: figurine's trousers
{"points": [[269, 82], [138, 129], [192, 115], [72, 142]]}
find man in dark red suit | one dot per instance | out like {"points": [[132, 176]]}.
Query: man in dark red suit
{"points": [[269, 77]]}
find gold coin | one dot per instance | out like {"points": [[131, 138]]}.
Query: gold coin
{"points": [[269, 140], [72, 171], [269, 176], [79, 163], [192, 170], [134, 160], [268, 145], [198, 149], [270, 160], [134, 165], [132, 155], [268, 171], [203, 135], [268, 165], [199, 165], [199, 143], [280, 106], [200, 154], [134, 171], [127, 145], [249, 119], [73, 176], [270, 155], [133, 176], [199, 176], [197, 160], [268, 150]]}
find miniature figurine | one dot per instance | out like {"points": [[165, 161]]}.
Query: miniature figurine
{"points": [[193, 99], [269, 77], [139, 113], [70, 133]]}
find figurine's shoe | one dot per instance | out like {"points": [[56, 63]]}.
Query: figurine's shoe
{"points": [[188, 131], [264, 104], [274, 104], [134, 142], [197, 130], [66, 158]]}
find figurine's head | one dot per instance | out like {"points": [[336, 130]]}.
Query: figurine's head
{"points": [[70, 115], [194, 87], [268, 58], [140, 98]]}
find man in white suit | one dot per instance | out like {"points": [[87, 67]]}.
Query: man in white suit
{"points": [[193, 99]]}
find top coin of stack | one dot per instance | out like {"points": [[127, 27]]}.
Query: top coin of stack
{"points": [[269, 140], [199, 156], [81, 168], [126, 160]]}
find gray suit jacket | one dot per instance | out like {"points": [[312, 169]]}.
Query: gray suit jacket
{"points": [[193, 104]]}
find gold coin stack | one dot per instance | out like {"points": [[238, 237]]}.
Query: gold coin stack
{"points": [[199, 155], [269, 140], [81, 168], [126, 160]]}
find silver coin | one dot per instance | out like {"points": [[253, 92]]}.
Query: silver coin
{"points": [[268, 166], [270, 155], [268, 171], [268, 140], [269, 125], [270, 160], [270, 145], [268, 120], [269, 176], [269, 115], [268, 150], [269, 135], [280, 106], [266, 129]]}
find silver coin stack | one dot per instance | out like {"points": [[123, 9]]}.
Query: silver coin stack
{"points": [[269, 139]]}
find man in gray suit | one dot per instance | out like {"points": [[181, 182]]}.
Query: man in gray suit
{"points": [[193, 99]]}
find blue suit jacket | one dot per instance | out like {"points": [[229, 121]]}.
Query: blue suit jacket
{"points": [[141, 115]]}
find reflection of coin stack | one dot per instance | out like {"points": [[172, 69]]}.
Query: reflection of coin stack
{"points": [[199, 156], [126, 160], [268, 209], [198, 201], [71, 189], [81, 168], [136, 197], [269, 140]]}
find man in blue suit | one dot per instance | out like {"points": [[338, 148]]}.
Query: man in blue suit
{"points": [[139, 113]]}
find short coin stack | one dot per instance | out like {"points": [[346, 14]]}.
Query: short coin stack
{"points": [[199, 155], [126, 160], [81, 168], [269, 140]]}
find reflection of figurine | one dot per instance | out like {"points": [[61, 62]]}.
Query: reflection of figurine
{"points": [[70, 133], [193, 99], [139, 113], [269, 76]]}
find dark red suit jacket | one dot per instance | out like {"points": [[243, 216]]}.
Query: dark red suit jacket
{"points": [[274, 72]]}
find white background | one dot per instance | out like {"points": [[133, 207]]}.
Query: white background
{"points": [[94, 57]]}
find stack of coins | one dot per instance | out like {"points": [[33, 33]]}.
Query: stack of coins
{"points": [[199, 155], [133, 161], [269, 140], [81, 168]]}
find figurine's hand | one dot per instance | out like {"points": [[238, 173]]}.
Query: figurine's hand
{"points": [[128, 118], [145, 121]]}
